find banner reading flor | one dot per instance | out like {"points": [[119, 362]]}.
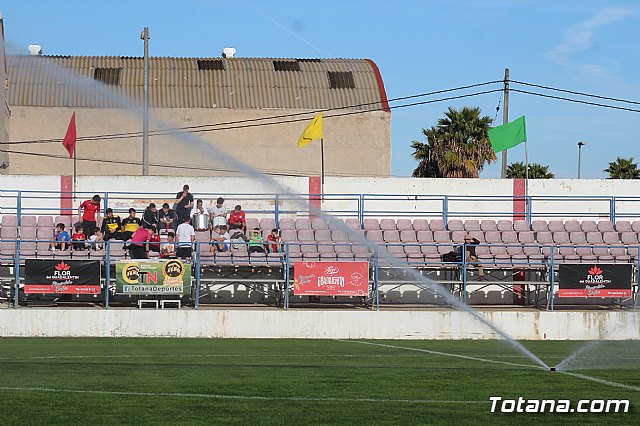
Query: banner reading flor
{"points": [[595, 280], [331, 278], [153, 277], [62, 276]]}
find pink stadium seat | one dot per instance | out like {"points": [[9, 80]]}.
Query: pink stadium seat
{"points": [[28, 221], [336, 223], [387, 224], [479, 235], [434, 225], [611, 237], [588, 226], [253, 223], [471, 225], [408, 236], [623, 226], [594, 237], [352, 223], [45, 221], [520, 226], [338, 236], [267, 223], [286, 223], [27, 233], [629, 238], [605, 226], [505, 225], [424, 236], [289, 235], [323, 235], [577, 237], [374, 235], [371, 224], [420, 225], [303, 223], [528, 237], [561, 237], [404, 225], [306, 235], [572, 225], [492, 237], [602, 253], [356, 235], [455, 225], [510, 237], [556, 226], [458, 236], [488, 225], [539, 226], [9, 220], [319, 224], [635, 226], [441, 237], [544, 237]]}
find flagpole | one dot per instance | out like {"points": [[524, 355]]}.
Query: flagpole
{"points": [[526, 169], [322, 164], [75, 180]]}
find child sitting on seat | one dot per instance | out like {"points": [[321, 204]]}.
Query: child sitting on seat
{"points": [[255, 241], [275, 241], [78, 239]]}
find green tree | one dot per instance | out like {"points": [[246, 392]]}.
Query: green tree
{"points": [[623, 168], [516, 170], [457, 147]]}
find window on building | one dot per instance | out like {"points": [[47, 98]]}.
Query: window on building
{"points": [[341, 80], [110, 76], [286, 65], [210, 65]]}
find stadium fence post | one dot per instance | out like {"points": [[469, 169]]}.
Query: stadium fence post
{"points": [[16, 262], [276, 212], [464, 272], [552, 275], [106, 204], [445, 211], [107, 274], [528, 204], [361, 210], [612, 209], [197, 267], [376, 278], [19, 208], [286, 276]]}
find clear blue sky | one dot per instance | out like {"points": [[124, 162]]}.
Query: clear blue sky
{"points": [[419, 46]]}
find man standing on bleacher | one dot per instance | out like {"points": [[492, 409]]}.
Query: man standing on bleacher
{"points": [[91, 215]]}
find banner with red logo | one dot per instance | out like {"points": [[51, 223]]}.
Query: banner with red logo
{"points": [[595, 280], [62, 276], [331, 278]]}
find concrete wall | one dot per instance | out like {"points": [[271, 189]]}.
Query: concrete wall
{"points": [[412, 197], [354, 145], [329, 324]]}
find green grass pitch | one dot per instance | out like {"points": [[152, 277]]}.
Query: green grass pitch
{"points": [[93, 381]]}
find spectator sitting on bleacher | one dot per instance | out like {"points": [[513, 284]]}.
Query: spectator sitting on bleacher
{"points": [[186, 236], [167, 217], [150, 217], [198, 209], [237, 219], [91, 215], [220, 239], [275, 241], [218, 213], [256, 245], [168, 249], [154, 242], [111, 226], [61, 238], [130, 225], [95, 241], [470, 250], [78, 239], [139, 246]]}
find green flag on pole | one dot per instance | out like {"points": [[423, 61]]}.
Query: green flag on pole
{"points": [[508, 135]]}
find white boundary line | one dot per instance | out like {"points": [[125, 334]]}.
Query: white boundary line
{"points": [[569, 373], [472, 358], [240, 397]]}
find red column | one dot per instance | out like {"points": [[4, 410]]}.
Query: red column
{"points": [[66, 195]]}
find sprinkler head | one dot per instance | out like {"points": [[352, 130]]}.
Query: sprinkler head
{"points": [[552, 369]]}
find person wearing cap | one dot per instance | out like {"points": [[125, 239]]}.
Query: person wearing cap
{"points": [[470, 244]]}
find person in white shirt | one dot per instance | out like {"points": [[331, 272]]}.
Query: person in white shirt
{"points": [[198, 209], [219, 214], [220, 239], [186, 235]]}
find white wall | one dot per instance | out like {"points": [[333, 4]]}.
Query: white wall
{"points": [[406, 190], [326, 324]]}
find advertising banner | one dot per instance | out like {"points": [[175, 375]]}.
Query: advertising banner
{"points": [[62, 276], [140, 277], [595, 280], [331, 278]]}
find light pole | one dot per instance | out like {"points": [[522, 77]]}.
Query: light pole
{"points": [[145, 119], [580, 145]]}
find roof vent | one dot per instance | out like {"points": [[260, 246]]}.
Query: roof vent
{"points": [[35, 49], [228, 52]]}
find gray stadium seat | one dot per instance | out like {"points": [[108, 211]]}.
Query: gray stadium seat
{"points": [[286, 223], [421, 225], [488, 225], [556, 226], [455, 225], [471, 225], [505, 225], [404, 225], [387, 225]]}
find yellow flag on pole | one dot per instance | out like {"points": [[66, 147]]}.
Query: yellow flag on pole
{"points": [[313, 131]]}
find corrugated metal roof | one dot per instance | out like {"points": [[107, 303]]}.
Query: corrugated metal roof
{"points": [[244, 83]]}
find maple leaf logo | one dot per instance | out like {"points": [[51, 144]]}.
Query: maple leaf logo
{"points": [[62, 266], [595, 271]]}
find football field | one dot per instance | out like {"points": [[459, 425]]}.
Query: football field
{"points": [[269, 381]]}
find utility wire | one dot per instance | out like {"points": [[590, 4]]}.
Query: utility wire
{"points": [[126, 135], [590, 95], [578, 101]]}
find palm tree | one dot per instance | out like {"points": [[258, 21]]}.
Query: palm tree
{"points": [[516, 170], [623, 168], [457, 147]]}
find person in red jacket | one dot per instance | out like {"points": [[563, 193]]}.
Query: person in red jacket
{"points": [[91, 214], [237, 219]]}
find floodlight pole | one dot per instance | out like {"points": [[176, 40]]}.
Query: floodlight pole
{"points": [[505, 119], [145, 113], [580, 145]]}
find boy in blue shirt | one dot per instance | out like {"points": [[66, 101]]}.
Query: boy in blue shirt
{"points": [[61, 238]]}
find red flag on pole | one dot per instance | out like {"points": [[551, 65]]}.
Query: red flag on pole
{"points": [[69, 141]]}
